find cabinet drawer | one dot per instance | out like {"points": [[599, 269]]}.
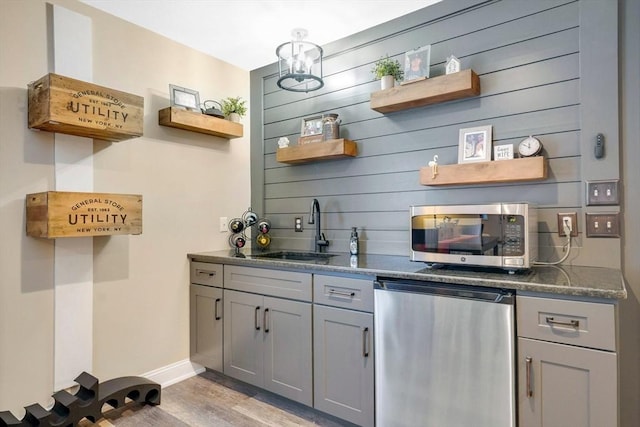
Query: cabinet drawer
{"points": [[579, 323], [204, 273], [356, 294], [277, 283]]}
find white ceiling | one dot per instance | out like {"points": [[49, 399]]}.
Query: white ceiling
{"points": [[246, 33]]}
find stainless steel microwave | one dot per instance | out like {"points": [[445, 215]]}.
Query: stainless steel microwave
{"points": [[503, 235]]}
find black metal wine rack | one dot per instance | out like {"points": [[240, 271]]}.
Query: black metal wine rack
{"points": [[69, 409]]}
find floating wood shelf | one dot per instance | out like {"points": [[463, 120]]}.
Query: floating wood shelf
{"points": [[331, 149], [515, 170], [458, 85], [197, 122]]}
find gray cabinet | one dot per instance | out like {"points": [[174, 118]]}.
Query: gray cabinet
{"points": [[343, 366], [206, 326], [268, 340], [567, 364], [205, 315]]}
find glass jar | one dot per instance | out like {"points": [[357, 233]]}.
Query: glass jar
{"points": [[330, 127]]}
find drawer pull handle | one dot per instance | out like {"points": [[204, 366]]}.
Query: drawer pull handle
{"points": [[255, 318], [264, 321], [342, 293], [365, 342], [205, 272], [529, 363], [217, 316], [571, 323]]}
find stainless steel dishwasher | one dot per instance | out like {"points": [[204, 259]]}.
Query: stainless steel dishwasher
{"points": [[444, 355]]}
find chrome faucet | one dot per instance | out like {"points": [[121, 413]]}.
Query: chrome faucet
{"points": [[314, 218]]}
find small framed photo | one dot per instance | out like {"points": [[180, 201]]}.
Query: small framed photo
{"points": [[183, 97], [311, 126], [503, 152], [475, 145], [416, 63]]}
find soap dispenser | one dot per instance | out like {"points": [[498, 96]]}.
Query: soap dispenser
{"points": [[353, 241]]}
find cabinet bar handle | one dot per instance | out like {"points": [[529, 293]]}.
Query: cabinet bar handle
{"points": [[264, 320], [365, 342], [217, 316], [255, 318], [208, 273], [571, 323], [529, 363], [342, 293]]}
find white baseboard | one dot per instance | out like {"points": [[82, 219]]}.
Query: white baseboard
{"points": [[174, 373]]}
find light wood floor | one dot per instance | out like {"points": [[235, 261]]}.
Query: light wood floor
{"points": [[211, 399]]}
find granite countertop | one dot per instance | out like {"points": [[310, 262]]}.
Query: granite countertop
{"points": [[595, 282]]}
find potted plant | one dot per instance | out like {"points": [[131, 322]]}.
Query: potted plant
{"points": [[234, 108], [387, 70]]}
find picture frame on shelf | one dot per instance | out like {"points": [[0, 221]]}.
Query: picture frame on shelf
{"points": [[503, 152], [475, 144], [417, 63], [183, 97], [311, 126]]}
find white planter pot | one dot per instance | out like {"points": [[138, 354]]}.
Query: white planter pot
{"points": [[234, 117], [387, 82]]}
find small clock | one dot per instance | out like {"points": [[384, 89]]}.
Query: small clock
{"points": [[529, 147]]}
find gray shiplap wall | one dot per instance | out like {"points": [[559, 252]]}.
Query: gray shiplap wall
{"points": [[536, 73]]}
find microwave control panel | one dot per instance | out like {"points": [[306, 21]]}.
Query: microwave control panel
{"points": [[513, 229]]}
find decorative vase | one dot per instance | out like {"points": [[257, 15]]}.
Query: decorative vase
{"points": [[387, 82], [234, 117]]}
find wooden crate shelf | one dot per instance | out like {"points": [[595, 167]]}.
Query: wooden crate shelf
{"points": [[197, 122], [331, 149], [55, 214], [74, 107], [458, 85], [515, 170]]}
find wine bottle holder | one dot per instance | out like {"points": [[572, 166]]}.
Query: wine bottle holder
{"points": [[69, 409]]}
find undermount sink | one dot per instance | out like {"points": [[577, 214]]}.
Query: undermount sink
{"points": [[295, 256]]}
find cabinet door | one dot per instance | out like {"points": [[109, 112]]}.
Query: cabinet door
{"points": [[243, 336], [206, 326], [565, 386], [287, 351], [343, 364]]}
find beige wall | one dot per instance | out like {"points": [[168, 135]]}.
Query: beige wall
{"points": [[188, 180]]}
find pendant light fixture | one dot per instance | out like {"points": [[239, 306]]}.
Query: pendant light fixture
{"points": [[299, 63]]}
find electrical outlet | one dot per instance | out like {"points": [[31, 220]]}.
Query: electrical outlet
{"points": [[224, 221], [298, 224], [603, 193], [572, 217], [603, 224]]}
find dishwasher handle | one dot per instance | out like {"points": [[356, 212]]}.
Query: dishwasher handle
{"points": [[496, 295]]}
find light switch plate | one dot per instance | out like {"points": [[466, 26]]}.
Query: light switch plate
{"points": [[224, 224], [603, 193], [603, 224]]}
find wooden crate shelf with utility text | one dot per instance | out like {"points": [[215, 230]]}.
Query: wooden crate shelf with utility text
{"points": [[463, 84], [325, 150], [515, 170], [198, 122], [64, 105], [54, 214]]}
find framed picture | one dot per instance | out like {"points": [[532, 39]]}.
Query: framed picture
{"points": [[475, 145], [183, 97], [311, 126], [416, 63], [503, 152]]}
